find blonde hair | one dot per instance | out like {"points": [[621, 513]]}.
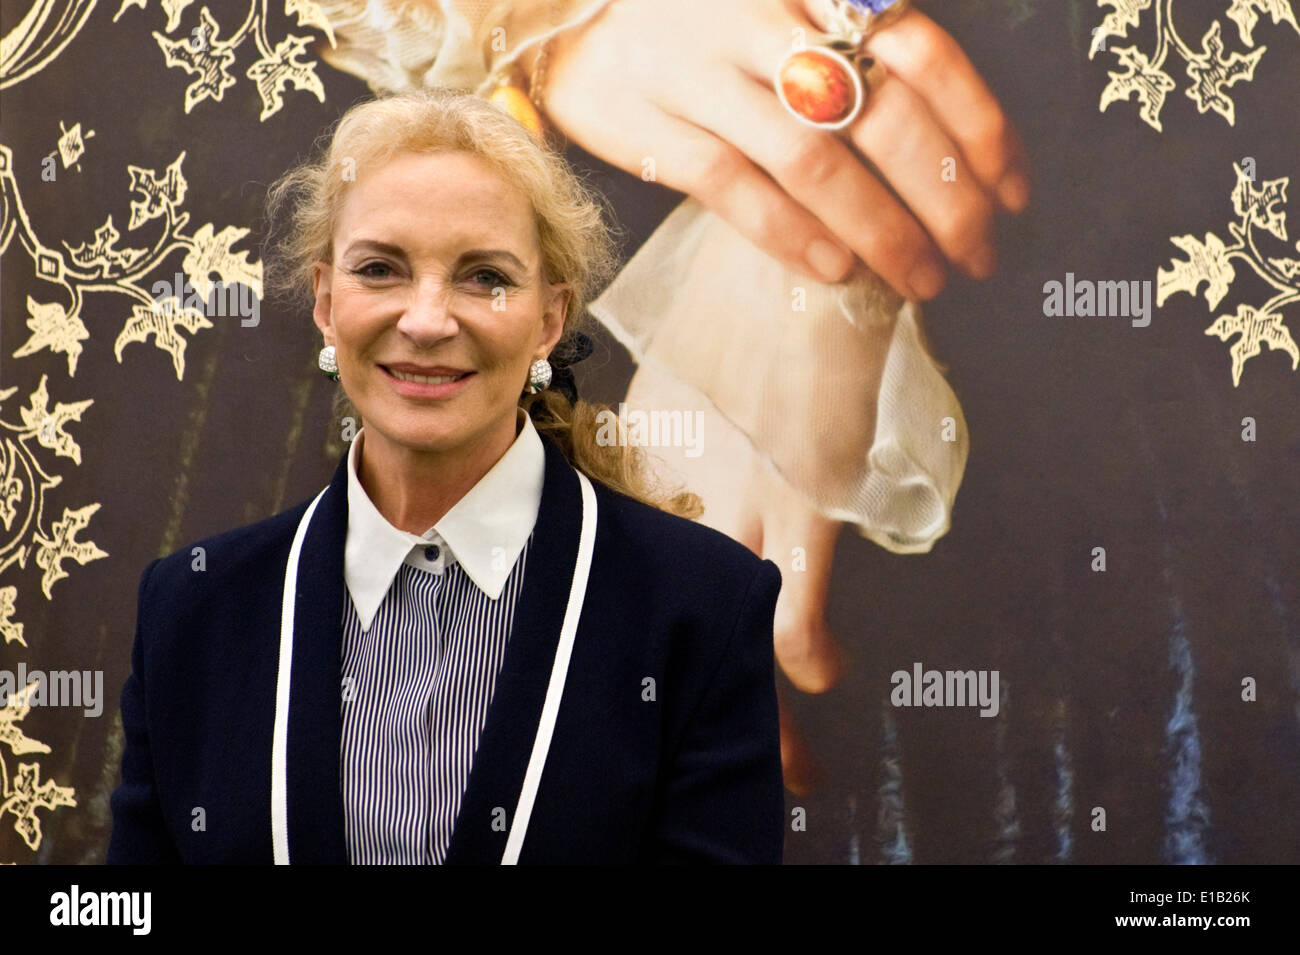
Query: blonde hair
{"points": [[576, 247]]}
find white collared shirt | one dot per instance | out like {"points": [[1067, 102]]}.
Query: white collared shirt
{"points": [[484, 531], [424, 637]]}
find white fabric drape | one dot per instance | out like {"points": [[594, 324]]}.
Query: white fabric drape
{"points": [[831, 383]]}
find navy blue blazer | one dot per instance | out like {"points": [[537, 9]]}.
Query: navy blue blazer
{"points": [[692, 775]]}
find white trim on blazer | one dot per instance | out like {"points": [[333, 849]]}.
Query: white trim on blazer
{"points": [[545, 725]]}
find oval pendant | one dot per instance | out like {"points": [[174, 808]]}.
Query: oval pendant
{"points": [[820, 87]]}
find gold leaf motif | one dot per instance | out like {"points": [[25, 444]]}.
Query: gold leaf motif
{"points": [[280, 67], [101, 255], [28, 795], [1218, 263], [1256, 330], [209, 58], [10, 628], [1242, 12], [1257, 206], [48, 425], [23, 792], [163, 320], [52, 551], [53, 328], [310, 15], [211, 253], [203, 55], [1127, 13], [1206, 262], [12, 712], [11, 483], [1142, 78], [1214, 73], [1211, 72], [174, 9], [159, 196]]}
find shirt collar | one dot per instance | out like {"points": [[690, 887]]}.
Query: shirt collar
{"points": [[485, 530]]}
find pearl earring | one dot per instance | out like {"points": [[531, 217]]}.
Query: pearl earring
{"points": [[539, 376], [328, 364]]}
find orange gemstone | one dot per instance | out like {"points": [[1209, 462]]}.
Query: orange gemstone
{"points": [[817, 87]]}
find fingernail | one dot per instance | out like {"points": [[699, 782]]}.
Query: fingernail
{"points": [[1013, 190], [828, 260], [926, 279]]}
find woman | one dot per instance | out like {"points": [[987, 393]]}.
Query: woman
{"points": [[480, 642]]}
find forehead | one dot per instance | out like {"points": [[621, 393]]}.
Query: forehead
{"points": [[437, 200]]}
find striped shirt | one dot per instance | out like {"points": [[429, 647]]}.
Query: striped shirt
{"points": [[425, 626]]}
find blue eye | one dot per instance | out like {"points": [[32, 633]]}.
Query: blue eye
{"points": [[367, 270], [490, 278]]}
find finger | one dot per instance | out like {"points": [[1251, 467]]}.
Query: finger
{"points": [[822, 174], [897, 132], [801, 542], [799, 770], [927, 58], [692, 160]]}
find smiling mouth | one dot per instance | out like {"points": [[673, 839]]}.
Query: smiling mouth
{"points": [[425, 379]]}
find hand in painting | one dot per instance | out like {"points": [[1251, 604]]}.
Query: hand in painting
{"points": [[685, 91]]}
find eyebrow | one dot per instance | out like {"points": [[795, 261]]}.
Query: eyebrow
{"points": [[386, 248]]}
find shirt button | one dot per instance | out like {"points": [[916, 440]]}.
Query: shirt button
{"points": [[431, 552]]}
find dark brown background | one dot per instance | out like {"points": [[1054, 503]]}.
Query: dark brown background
{"points": [[1123, 688]]}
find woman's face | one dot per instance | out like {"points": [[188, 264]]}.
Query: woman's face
{"points": [[437, 273]]}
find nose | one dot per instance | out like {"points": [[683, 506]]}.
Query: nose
{"points": [[429, 315]]}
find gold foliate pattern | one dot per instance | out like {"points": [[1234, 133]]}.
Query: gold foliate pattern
{"points": [[1212, 69], [168, 304], [208, 56], [100, 265], [21, 789], [1259, 209], [24, 482]]}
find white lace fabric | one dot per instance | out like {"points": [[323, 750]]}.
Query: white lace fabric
{"points": [[841, 395]]}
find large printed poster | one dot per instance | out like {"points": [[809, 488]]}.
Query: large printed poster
{"points": [[1037, 531]]}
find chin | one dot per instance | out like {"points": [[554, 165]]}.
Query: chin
{"points": [[428, 429], [430, 437]]}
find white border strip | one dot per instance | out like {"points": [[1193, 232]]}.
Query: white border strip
{"points": [[560, 669], [280, 737]]}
